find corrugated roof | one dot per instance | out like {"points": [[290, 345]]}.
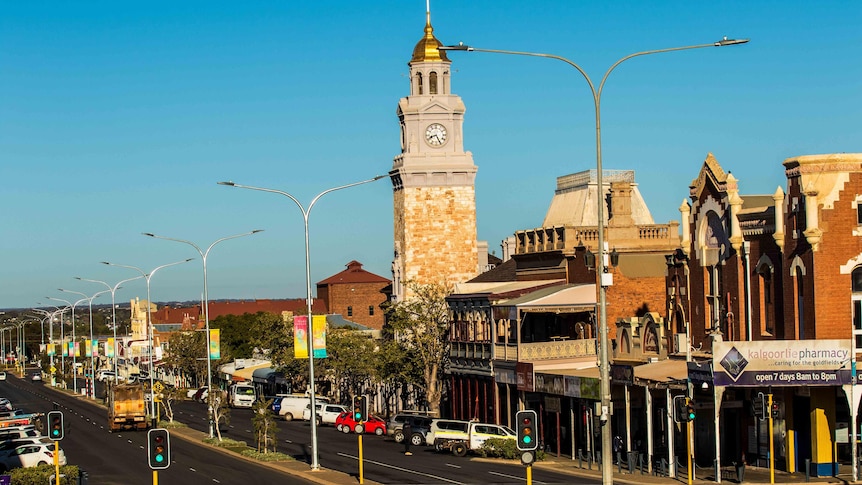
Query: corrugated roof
{"points": [[570, 295]]}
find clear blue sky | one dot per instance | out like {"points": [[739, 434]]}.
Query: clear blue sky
{"points": [[118, 118]]}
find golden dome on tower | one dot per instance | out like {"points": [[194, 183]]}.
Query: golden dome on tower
{"points": [[426, 48]]}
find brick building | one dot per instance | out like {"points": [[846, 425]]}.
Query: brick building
{"points": [[775, 274], [356, 294]]}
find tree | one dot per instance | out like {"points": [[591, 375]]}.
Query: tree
{"points": [[217, 400], [169, 395], [421, 322], [265, 429], [185, 354]]}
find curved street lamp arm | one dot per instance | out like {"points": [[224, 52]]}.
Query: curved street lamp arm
{"points": [[202, 252]]}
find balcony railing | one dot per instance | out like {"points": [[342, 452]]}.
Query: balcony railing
{"points": [[563, 349]]}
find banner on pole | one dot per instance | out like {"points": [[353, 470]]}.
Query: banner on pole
{"points": [[88, 348], [300, 336], [95, 348], [50, 350], [215, 344], [109, 348]]}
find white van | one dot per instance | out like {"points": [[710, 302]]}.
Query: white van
{"points": [[291, 406], [241, 395]]}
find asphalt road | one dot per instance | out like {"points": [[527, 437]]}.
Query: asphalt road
{"points": [[121, 458], [383, 459]]}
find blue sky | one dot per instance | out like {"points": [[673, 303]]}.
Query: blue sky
{"points": [[118, 118]]}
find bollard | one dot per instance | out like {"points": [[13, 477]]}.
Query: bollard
{"points": [[717, 467], [808, 469], [641, 463], [590, 461], [580, 458], [663, 467]]}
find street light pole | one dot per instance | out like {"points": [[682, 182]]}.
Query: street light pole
{"points": [[204, 255], [604, 279], [113, 290], [91, 388], [150, 350], [315, 465], [74, 359]]}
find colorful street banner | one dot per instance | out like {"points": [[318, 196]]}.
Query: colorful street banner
{"points": [[88, 346], [71, 350], [215, 344], [95, 348], [300, 336], [782, 363], [50, 350], [318, 332], [63, 349], [77, 349], [109, 348]]}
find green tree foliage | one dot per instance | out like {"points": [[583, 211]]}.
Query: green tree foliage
{"points": [[421, 322], [217, 401], [395, 368], [351, 360], [235, 339], [186, 352]]}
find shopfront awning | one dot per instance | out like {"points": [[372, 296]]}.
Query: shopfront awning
{"points": [[557, 299], [662, 374]]}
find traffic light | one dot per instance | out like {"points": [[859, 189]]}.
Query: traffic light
{"points": [[689, 411], [55, 425], [360, 409], [680, 409], [758, 403], [527, 439], [159, 448], [774, 410]]}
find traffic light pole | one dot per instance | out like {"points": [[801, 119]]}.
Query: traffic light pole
{"points": [[771, 444], [361, 477], [57, 461]]}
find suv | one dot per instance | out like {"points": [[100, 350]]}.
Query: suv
{"points": [[420, 425], [446, 429]]}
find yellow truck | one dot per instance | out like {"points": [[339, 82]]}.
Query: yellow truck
{"points": [[127, 408]]}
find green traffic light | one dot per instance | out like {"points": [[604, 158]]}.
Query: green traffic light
{"points": [[527, 439]]}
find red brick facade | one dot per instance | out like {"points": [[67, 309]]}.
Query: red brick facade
{"points": [[356, 294]]}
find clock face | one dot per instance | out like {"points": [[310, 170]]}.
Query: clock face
{"points": [[435, 134]]}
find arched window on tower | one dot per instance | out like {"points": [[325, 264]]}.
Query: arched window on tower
{"points": [[766, 299], [419, 86], [800, 303], [856, 296], [432, 83]]}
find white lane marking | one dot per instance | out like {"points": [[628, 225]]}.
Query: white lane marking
{"points": [[453, 465], [192, 469], [400, 469], [513, 477]]}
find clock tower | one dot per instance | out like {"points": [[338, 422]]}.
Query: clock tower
{"points": [[433, 179]]}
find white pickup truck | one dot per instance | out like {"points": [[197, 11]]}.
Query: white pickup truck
{"points": [[326, 413], [460, 439]]}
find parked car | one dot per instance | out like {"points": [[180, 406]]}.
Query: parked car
{"points": [[30, 455], [7, 445], [446, 429], [345, 423], [420, 425], [36, 377], [2, 375], [326, 413], [19, 432], [5, 404]]}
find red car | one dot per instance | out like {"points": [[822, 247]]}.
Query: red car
{"points": [[345, 423]]}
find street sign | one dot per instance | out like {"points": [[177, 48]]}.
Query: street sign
{"points": [[53, 369], [158, 387]]}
